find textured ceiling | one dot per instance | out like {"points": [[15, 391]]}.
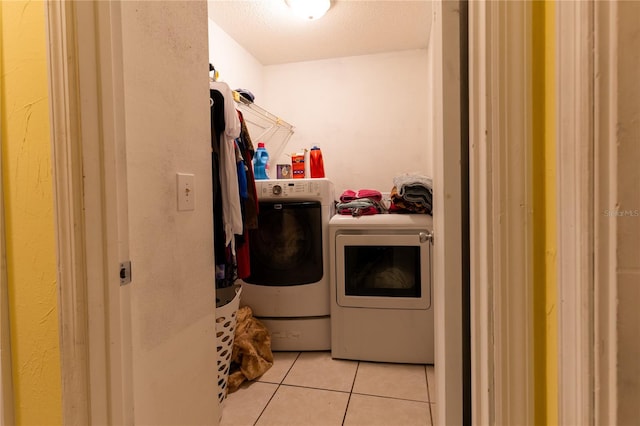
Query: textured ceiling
{"points": [[274, 35]]}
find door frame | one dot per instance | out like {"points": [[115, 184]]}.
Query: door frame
{"points": [[87, 127], [609, 127], [587, 58], [7, 415], [498, 69], [447, 214], [500, 134], [576, 210]]}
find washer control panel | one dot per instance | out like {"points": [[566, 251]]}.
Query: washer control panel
{"points": [[288, 188]]}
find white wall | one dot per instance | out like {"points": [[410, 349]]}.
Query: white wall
{"points": [[172, 289], [237, 67], [367, 114]]}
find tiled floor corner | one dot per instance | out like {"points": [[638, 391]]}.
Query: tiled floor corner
{"points": [[318, 370], [366, 410], [244, 406], [311, 388], [297, 406], [282, 363], [401, 381]]}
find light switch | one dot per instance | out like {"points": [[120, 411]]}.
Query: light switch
{"points": [[186, 192]]}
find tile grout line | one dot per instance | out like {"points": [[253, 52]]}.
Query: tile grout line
{"points": [[276, 391], [431, 412], [288, 385], [426, 376], [426, 379], [397, 398], [344, 417], [349, 391], [391, 397]]}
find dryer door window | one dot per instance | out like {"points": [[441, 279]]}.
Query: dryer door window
{"points": [[383, 271], [286, 249], [392, 271]]}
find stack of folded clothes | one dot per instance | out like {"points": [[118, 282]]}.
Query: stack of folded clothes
{"points": [[411, 193], [363, 202]]}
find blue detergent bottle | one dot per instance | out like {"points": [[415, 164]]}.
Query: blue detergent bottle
{"points": [[260, 162]]}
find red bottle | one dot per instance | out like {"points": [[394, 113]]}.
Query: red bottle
{"points": [[317, 164]]}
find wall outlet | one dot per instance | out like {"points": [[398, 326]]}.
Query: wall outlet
{"points": [[186, 191]]}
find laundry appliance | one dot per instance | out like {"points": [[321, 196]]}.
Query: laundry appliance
{"points": [[288, 288], [381, 288]]}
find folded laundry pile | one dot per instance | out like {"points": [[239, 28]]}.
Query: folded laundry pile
{"points": [[363, 202], [412, 193]]}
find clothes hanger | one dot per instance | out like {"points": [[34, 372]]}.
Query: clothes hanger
{"points": [[212, 78], [216, 74]]}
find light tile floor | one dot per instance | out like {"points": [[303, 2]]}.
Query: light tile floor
{"points": [[311, 388]]}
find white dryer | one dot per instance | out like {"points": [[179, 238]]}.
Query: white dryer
{"points": [[288, 289], [381, 288]]}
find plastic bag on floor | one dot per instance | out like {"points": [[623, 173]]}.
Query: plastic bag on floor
{"points": [[251, 356]]}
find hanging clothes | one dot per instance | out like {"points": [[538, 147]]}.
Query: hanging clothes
{"points": [[230, 193], [246, 147], [249, 200], [217, 128]]}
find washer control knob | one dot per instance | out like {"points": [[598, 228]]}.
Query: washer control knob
{"points": [[277, 190]]}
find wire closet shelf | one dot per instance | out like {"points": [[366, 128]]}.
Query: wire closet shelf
{"points": [[265, 126]]}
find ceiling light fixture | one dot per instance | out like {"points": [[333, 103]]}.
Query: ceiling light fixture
{"points": [[309, 9]]}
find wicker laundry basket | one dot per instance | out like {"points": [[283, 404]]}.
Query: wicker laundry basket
{"points": [[227, 303]]}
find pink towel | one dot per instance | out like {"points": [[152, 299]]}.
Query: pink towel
{"points": [[369, 193], [348, 195]]}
